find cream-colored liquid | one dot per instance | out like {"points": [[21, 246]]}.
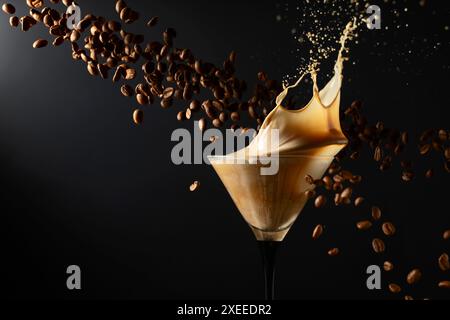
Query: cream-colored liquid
{"points": [[309, 139]]}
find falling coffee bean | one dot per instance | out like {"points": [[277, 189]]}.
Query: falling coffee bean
{"points": [[202, 124], [320, 201], [14, 21], [376, 213], [194, 186], [446, 235], [359, 201], [138, 116], [333, 252], [40, 43], [8, 8], [444, 284], [126, 90], [388, 266], [318, 231], [409, 298], [152, 22], [395, 288], [142, 99], [378, 245], [364, 225], [414, 276], [310, 194], [444, 263], [388, 229]]}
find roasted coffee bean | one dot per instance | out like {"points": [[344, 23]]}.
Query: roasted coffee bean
{"points": [[188, 113], [407, 176], [92, 69], [138, 116], [378, 154], [103, 70], [409, 298], [359, 201], [194, 105], [333, 252], [120, 73], [446, 235], [223, 117], [429, 174], [8, 8], [194, 186], [388, 229], [310, 194], [35, 4], [40, 43], [217, 123], [414, 276], [347, 193], [235, 117], [142, 99], [317, 232], [405, 138], [395, 288], [153, 22], [166, 103], [443, 135], [378, 245], [444, 284], [444, 263], [181, 116], [67, 2], [364, 225], [309, 179], [130, 74], [168, 92], [58, 41], [126, 90], [202, 124], [327, 182], [320, 201], [447, 153], [388, 266], [425, 149], [14, 21], [376, 213]]}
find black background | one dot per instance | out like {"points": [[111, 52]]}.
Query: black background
{"points": [[80, 184]]}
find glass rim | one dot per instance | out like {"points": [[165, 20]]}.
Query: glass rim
{"points": [[293, 156]]}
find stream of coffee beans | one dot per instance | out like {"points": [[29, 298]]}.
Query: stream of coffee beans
{"points": [[175, 77]]}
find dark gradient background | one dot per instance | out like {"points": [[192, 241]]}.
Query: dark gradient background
{"points": [[80, 184]]}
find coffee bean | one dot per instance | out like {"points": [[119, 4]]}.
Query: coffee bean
{"points": [[347, 193], [447, 153], [444, 263], [327, 182], [425, 149], [395, 288], [130, 74], [120, 72], [443, 135], [309, 179], [168, 92], [378, 154], [235, 117], [414, 276], [429, 174], [333, 252], [188, 113], [388, 266], [142, 99], [359, 201], [8, 8], [120, 4], [446, 234], [409, 298], [92, 69], [217, 123], [194, 105], [58, 41], [153, 22], [388, 229], [378, 245], [444, 284], [376, 213], [194, 186], [320, 201], [126, 90], [40, 43], [166, 103], [405, 138], [74, 36], [318, 231], [138, 116], [14, 21], [181, 116], [35, 3], [407, 176], [310, 194], [202, 124], [364, 225]]}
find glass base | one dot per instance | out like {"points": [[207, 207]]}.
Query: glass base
{"points": [[276, 236]]}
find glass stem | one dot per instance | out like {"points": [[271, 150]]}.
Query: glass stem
{"points": [[268, 251]]}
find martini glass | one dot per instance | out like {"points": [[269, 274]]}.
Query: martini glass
{"points": [[270, 204]]}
